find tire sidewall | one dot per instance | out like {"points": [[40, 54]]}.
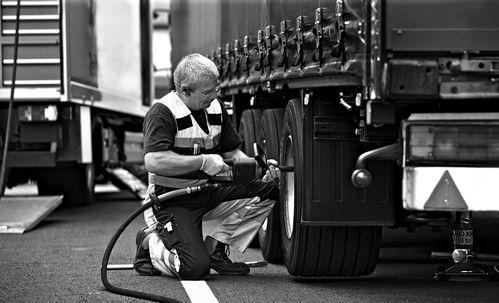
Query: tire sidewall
{"points": [[264, 134], [242, 133], [250, 120], [292, 127], [270, 130]]}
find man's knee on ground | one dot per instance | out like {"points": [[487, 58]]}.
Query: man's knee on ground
{"points": [[195, 269]]}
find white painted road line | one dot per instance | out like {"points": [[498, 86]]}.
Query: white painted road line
{"points": [[199, 292]]}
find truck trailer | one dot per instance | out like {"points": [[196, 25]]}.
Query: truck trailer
{"points": [[387, 110], [84, 83]]}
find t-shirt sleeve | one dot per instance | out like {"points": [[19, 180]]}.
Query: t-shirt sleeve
{"points": [[230, 138], [159, 129]]}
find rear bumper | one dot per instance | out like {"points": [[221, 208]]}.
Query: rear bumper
{"points": [[451, 188]]}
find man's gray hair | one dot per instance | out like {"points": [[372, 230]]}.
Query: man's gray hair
{"points": [[194, 69]]}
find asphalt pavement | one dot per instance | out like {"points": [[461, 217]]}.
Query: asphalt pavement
{"points": [[59, 261]]}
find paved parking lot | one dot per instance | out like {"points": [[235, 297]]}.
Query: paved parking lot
{"points": [[59, 261]]}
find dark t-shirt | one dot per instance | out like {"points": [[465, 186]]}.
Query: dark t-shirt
{"points": [[160, 129]]}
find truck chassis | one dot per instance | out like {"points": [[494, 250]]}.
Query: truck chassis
{"points": [[368, 100]]}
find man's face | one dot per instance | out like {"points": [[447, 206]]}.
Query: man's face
{"points": [[202, 96]]}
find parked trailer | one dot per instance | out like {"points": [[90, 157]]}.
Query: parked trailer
{"points": [[386, 109], [83, 86]]}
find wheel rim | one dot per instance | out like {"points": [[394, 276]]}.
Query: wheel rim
{"points": [[289, 188]]}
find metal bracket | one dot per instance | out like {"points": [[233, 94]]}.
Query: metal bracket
{"points": [[463, 255], [361, 177]]}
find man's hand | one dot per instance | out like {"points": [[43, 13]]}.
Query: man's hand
{"points": [[273, 173], [213, 164]]}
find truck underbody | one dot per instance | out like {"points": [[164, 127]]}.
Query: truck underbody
{"points": [[389, 118]]}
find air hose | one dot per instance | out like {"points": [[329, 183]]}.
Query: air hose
{"points": [[152, 201], [11, 100]]}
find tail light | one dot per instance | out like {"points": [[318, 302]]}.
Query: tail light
{"points": [[457, 141]]}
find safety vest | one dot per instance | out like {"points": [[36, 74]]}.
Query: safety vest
{"points": [[190, 139]]}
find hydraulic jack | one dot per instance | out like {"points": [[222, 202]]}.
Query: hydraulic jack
{"points": [[465, 259]]}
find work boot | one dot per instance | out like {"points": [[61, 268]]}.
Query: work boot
{"points": [[142, 263], [220, 261]]}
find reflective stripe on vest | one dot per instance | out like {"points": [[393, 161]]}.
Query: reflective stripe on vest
{"points": [[188, 134]]}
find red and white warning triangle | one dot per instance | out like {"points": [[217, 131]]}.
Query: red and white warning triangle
{"points": [[446, 195]]}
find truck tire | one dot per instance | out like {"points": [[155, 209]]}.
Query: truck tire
{"points": [[250, 120], [269, 136], [76, 182], [317, 251]]}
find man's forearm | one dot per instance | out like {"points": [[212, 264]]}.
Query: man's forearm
{"points": [[169, 163]]}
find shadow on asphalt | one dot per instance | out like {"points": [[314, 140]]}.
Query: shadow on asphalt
{"points": [[390, 282], [51, 223]]}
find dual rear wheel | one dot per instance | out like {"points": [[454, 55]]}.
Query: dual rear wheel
{"points": [[269, 136], [308, 251], [248, 125], [265, 129], [314, 251]]}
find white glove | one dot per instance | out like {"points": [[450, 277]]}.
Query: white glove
{"points": [[273, 173], [213, 164]]}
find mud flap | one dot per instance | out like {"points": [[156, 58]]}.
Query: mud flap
{"points": [[20, 214]]}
